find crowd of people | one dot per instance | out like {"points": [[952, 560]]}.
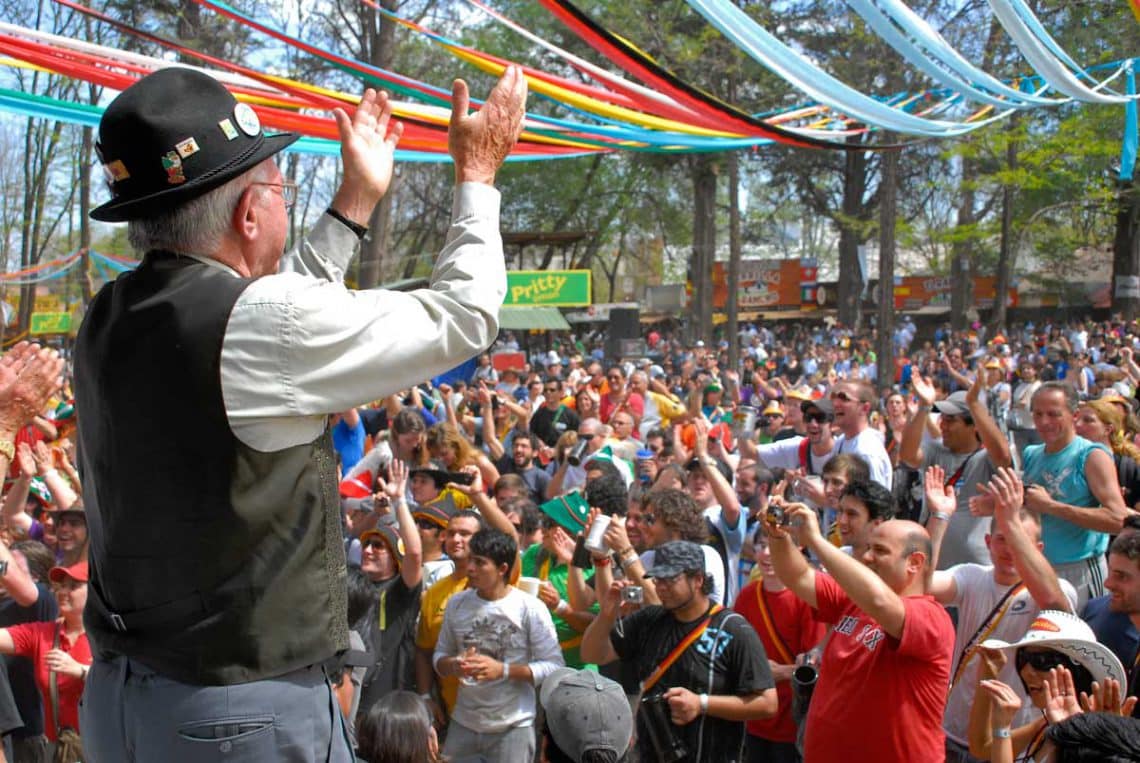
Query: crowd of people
{"points": [[220, 543]]}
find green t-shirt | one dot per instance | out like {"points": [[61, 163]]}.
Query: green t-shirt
{"points": [[537, 563]]}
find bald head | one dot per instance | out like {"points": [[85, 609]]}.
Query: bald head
{"points": [[893, 554]]}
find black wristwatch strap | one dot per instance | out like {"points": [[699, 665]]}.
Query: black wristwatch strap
{"points": [[360, 230]]}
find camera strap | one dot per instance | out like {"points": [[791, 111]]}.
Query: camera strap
{"points": [[678, 650], [781, 647], [993, 619]]}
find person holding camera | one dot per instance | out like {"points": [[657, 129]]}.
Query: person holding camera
{"points": [[702, 669], [789, 631], [886, 665]]}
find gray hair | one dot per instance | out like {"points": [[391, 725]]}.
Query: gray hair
{"points": [[196, 227], [1072, 399]]}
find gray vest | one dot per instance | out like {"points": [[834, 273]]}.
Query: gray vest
{"points": [[211, 563]]}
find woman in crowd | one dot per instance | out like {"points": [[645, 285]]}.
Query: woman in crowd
{"points": [[1057, 661], [455, 451], [398, 729], [1102, 421], [60, 652], [1020, 419], [586, 404]]}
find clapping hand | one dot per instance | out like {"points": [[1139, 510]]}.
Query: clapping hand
{"points": [[1106, 698], [1060, 695], [1005, 701], [1007, 493], [397, 482], [923, 389], [940, 497], [479, 142], [368, 149]]}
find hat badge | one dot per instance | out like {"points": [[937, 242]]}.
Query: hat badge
{"points": [[172, 163], [247, 120]]}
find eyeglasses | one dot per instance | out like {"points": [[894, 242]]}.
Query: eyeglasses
{"points": [[645, 519], [427, 524], [1043, 661], [374, 543], [288, 191], [844, 397], [817, 418]]}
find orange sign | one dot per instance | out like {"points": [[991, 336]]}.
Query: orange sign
{"points": [[913, 292], [763, 283]]}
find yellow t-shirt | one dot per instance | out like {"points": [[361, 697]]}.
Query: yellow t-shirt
{"points": [[432, 606]]}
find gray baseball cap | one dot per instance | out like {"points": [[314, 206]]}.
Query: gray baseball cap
{"points": [[586, 712], [955, 405], [677, 556]]}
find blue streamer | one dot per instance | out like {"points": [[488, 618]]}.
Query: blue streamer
{"points": [[767, 50], [1131, 132], [925, 48]]}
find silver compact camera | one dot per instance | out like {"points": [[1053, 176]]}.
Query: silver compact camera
{"points": [[633, 594]]}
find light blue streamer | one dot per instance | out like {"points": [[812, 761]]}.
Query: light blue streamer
{"points": [[1131, 132], [764, 48], [930, 52], [1029, 18], [1059, 76]]}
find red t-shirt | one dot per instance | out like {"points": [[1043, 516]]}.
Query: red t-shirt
{"points": [[634, 403], [34, 640], [799, 631], [890, 693]]}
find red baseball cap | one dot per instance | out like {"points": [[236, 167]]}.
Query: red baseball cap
{"points": [[77, 572]]}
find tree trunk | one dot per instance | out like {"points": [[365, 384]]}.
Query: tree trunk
{"points": [[1006, 253], [1126, 253], [961, 252], [888, 210], [704, 243], [734, 254], [851, 279]]}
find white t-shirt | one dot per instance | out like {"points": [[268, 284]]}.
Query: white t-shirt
{"points": [[785, 454], [516, 629], [734, 543], [713, 564], [978, 594], [437, 570], [868, 445]]}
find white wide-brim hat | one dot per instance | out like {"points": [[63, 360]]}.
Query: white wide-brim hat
{"points": [[1071, 636]]}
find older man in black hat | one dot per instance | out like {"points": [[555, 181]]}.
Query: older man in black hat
{"points": [[217, 571]]}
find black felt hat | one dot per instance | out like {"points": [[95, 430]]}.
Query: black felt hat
{"points": [[171, 137]]}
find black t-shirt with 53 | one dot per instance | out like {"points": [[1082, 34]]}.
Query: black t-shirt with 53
{"points": [[727, 658]]}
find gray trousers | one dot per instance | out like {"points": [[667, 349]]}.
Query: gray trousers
{"points": [[130, 713], [513, 745]]}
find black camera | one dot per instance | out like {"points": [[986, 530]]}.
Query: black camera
{"points": [[667, 745], [763, 422], [575, 455]]}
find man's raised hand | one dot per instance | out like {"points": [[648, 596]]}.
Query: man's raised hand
{"points": [[367, 148], [480, 142]]}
